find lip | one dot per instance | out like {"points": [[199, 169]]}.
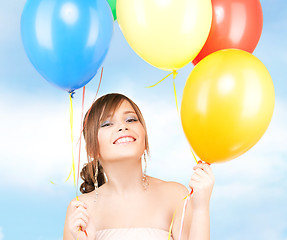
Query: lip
{"points": [[124, 137]]}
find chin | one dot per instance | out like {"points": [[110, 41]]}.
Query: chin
{"points": [[124, 155]]}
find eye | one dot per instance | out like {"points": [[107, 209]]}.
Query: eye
{"points": [[106, 124], [132, 119]]}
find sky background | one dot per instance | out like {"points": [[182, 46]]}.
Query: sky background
{"points": [[250, 194]]}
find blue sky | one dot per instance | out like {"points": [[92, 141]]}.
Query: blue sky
{"points": [[250, 193]]}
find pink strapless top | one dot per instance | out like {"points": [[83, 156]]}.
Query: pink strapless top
{"points": [[132, 234]]}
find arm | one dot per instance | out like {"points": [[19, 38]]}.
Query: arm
{"points": [[201, 182], [196, 220], [200, 226]]}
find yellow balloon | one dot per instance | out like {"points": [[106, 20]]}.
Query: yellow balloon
{"points": [[168, 34], [227, 105]]}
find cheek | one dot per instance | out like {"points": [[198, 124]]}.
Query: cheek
{"points": [[103, 135], [143, 134], [102, 140]]}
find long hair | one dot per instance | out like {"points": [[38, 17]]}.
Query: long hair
{"points": [[101, 108]]}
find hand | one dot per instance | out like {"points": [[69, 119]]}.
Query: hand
{"points": [[202, 181], [78, 220]]}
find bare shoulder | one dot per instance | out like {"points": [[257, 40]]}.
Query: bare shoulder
{"points": [[169, 186], [86, 198], [174, 190]]}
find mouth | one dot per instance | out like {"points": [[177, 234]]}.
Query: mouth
{"points": [[125, 139]]}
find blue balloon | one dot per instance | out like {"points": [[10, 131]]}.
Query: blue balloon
{"points": [[67, 40]]}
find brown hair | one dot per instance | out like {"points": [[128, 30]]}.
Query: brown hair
{"points": [[100, 109]]}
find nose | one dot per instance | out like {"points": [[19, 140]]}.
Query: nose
{"points": [[122, 128]]}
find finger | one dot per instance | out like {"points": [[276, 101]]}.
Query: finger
{"points": [[199, 165], [201, 173], [205, 174], [205, 167], [84, 218], [200, 161], [80, 223], [196, 177], [78, 203], [200, 177], [209, 171], [80, 211]]}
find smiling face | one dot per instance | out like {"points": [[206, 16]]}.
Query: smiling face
{"points": [[121, 135]]}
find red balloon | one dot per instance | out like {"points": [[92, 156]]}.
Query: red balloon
{"points": [[235, 24]]}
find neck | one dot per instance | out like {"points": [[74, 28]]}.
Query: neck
{"points": [[124, 176]]}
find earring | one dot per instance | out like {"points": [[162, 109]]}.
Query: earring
{"points": [[96, 178], [144, 178]]}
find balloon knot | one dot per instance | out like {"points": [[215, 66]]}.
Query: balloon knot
{"points": [[174, 74], [72, 94]]}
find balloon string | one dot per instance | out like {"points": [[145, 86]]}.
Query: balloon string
{"points": [[80, 140], [69, 173], [88, 113], [183, 213], [175, 96], [174, 73], [72, 141], [160, 80], [172, 220], [80, 229], [170, 228], [194, 156], [71, 123]]}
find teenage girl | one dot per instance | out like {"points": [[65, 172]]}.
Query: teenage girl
{"points": [[119, 201]]}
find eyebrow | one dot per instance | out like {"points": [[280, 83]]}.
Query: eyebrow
{"points": [[126, 112]]}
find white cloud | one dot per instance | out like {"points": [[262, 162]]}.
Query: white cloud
{"points": [[36, 143], [1, 234], [10, 15], [37, 147]]}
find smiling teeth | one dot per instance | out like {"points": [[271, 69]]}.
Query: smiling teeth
{"points": [[125, 140]]}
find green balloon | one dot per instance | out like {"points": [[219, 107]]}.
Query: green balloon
{"points": [[113, 7]]}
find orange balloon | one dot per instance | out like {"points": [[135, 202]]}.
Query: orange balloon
{"points": [[227, 105]]}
